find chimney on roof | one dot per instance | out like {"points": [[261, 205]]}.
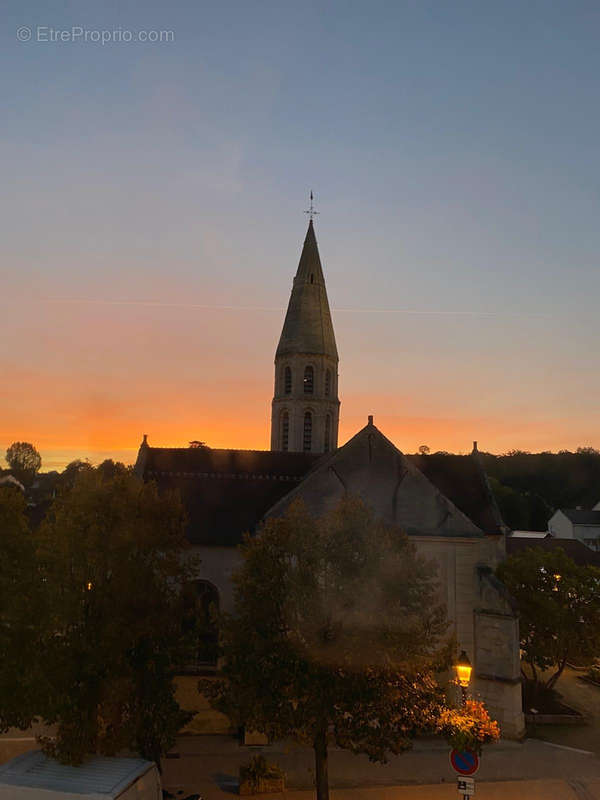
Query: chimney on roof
{"points": [[370, 419], [475, 450]]}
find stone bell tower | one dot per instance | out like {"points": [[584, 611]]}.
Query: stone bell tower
{"points": [[306, 409]]}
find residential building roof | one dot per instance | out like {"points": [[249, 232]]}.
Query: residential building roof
{"points": [[582, 516]]}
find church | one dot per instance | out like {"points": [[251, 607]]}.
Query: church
{"points": [[443, 502]]}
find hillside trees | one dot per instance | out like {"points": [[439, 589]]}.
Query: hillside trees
{"points": [[531, 486]]}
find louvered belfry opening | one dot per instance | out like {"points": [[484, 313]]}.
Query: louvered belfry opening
{"points": [[309, 380], [307, 442]]}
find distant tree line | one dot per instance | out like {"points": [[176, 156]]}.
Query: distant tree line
{"points": [[530, 487]]}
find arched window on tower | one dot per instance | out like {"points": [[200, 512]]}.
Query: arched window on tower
{"points": [[309, 380], [307, 441], [285, 430], [287, 380], [327, 383], [327, 441]]}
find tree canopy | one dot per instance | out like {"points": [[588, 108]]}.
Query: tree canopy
{"points": [[20, 606], [530, 487], [559, 604], [336, 636], [109, 574], [24, 460]]}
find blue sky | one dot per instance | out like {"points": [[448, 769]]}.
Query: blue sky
{"points": [[453, 151]]}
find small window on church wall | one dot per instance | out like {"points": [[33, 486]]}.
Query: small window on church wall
{"points": [[285, 430], [307, 444], [327, 383], [309, 380], [327, 433], [312, 278], [287, 380]]}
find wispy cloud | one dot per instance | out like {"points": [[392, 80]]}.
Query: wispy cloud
{"points": [[337, 309]]}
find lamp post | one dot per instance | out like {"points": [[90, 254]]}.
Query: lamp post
{"points": [[463, 669]]}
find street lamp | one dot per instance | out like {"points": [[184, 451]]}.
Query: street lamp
{"points": [[463, 669]]}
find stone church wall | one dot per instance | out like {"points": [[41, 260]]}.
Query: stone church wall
{"points": [[217, 565], [484, 620]]}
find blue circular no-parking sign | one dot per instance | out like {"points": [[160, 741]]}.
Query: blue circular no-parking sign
{"points": [[465, 762]]}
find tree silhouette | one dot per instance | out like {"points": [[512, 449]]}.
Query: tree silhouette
{"points": [[24, 460]]}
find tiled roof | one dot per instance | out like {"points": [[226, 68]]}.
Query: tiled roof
{"points": [[582, 516], [578, 551], [225, 492], [462, 480], [228, 492]]}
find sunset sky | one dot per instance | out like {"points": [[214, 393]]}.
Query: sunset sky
{"points": [[152, 219]]}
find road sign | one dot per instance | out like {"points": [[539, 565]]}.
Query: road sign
{"points": [[465, 762], [466, 787]]}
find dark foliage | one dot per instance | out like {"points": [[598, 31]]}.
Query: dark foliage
{"points": [[91, 613], [530, 487]]}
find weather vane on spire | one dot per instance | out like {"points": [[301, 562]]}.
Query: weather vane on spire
{"points": [[311, 209]]}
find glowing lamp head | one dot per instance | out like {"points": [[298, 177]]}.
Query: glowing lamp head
{"points": [[88, 586], [463, 669]]}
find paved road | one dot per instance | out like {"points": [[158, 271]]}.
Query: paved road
{"points": [[209, 765], [584, 697]]}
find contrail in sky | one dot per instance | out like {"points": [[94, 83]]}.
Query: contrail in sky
{"points": [[337, 309]]}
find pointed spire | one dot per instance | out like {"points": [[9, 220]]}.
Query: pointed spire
{"points": [[309, 267], [308, 327]]}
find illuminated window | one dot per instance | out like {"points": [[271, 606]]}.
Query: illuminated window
{"points": [[285, 430], [327, 383], [309, 380], [327, 433], [307, 445], [287, 380]]}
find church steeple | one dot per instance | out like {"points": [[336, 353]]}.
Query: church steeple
{"points": [[305, 411]]}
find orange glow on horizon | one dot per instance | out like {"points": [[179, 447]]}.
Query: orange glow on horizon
{"points": [[93, 436]]}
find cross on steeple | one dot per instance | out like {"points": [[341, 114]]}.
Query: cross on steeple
{"points": [[311, 209]]}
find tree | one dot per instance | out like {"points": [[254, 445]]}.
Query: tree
{"points": [[559, 604], [424, 450], [20, 605], [336, 635], [71, 472], [24, 460], [110, 469], [110, 561]]}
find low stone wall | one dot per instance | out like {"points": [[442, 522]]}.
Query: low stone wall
{"points": [[573, 718]]}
